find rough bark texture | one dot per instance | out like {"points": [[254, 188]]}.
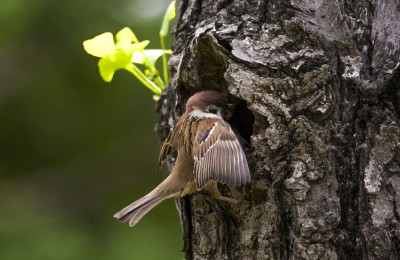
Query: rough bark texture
{"points": [[316, 90]]}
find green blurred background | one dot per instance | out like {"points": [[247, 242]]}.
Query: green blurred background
{"points": [[73, 149]]}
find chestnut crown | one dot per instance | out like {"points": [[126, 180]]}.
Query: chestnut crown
{"points": [[206, 101]]}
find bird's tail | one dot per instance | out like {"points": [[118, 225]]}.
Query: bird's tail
{"points": [[178, 183], [135, 211]]}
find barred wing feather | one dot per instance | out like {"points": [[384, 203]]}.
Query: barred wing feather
{"points": [[219, 156]]}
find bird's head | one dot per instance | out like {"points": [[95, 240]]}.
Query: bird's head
{"points": [[206, 104]]}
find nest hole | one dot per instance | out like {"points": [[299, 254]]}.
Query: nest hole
{"points": [[242, 120]]}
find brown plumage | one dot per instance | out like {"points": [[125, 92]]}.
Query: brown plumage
{"points": [[208, 152]]}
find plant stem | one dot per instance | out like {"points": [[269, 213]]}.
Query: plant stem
{"points": [[142, 78], [164, 57], [152, 68]]}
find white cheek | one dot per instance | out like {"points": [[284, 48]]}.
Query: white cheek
{"points": [[200, 115]]}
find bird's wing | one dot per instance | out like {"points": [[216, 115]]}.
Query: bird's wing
{"points": [[181, 135], [166, 149], [219, 156], [171, 142]]}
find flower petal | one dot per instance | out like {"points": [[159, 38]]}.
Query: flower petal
{"points": [[125, 37], [137, 57], [126, 34], [106, 69], [109, 64], [151, 56], [101, 45], [129, 48]]}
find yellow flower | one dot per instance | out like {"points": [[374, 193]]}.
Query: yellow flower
{"points": [[114, 56]]}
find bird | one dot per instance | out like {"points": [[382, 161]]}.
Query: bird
{"points": [[208, 152]]}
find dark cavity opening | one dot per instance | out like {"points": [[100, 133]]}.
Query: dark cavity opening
{"points": [[242, 120]]}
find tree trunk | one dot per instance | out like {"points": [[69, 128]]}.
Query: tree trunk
{"points": [[316, 91]]}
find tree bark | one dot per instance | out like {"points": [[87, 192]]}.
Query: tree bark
{"points": [[316, 91]]}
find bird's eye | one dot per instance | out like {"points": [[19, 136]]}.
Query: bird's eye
{"points": [[212, 111]]}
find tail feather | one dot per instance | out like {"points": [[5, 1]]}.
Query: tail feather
{"points": [[143, 211], [135, 211], [174, 185]]}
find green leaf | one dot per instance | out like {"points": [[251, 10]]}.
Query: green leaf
{"points": [[169, 15], [142, 57], [101, 45]]}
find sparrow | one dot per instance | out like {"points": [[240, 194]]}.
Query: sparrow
{"points": [[208, 152]]}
